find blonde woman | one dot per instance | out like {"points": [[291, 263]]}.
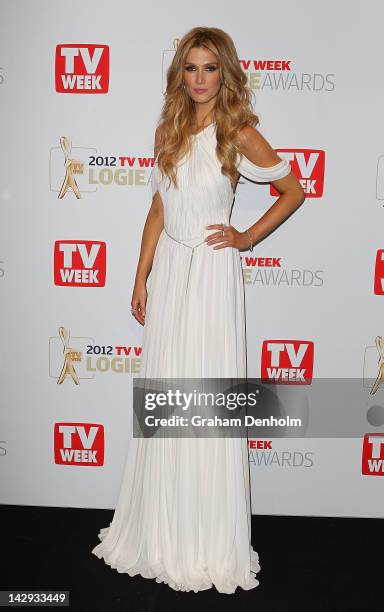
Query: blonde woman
{"points": [[183, 515]]}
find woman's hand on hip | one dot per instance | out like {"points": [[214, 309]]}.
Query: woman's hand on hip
{"points": [[230, 238]]}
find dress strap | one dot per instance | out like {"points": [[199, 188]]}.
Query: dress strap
{"points": [[264, 175]]}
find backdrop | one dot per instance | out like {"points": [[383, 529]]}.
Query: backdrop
{"points": [[81, 90]]}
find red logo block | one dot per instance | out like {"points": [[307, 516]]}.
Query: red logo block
{"points": [[287, 361], [82, 69], [378, 286], [308, 166], [372, 463], [79, 444], [80, 263]]}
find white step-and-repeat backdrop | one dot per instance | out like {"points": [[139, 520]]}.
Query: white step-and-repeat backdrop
{"points": [[81, 89]]}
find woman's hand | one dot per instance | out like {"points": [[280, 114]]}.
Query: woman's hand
{"points": [[231, 238], [139, 301]]}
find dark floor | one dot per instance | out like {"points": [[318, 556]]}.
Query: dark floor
{"points": [[311, 564]]}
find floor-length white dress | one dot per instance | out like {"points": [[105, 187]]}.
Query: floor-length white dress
{"points": [[183, 514]]}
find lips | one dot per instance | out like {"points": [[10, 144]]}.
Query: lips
{"points": [[199, 90]]}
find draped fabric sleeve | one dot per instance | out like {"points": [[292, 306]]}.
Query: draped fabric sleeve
{"points": [[262, 175]]}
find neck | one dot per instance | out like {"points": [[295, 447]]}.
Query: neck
{"points": [[203, 120]]}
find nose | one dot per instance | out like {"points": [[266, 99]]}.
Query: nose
{"points": [[200, 77]]}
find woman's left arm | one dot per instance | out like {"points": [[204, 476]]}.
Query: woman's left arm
{"points": [[257, 149]]}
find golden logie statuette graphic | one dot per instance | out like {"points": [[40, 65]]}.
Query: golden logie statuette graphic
{"points": [[163, 63], [380, 376], [72, 167], [70, 355]]}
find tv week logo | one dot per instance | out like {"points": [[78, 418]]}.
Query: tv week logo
{"points": [[287, 361], [308, 166], [79, 444], [373, 455], [80, 263], [82, 69], [378, 286]]}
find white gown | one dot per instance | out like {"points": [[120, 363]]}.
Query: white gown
{"points": [[183, 514]]}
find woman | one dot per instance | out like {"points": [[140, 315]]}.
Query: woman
{"points": [[183, 515]]}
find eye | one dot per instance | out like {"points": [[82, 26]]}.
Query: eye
{"points": [[209, 68]]}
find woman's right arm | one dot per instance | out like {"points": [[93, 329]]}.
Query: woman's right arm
{"points": [[153, 227]]}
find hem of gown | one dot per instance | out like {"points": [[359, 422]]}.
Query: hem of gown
{"points": [[229, 586]]}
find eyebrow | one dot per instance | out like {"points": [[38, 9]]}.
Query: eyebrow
{"points": [[205, 63]]}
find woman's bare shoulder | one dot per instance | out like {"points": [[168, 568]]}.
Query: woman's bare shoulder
{"points": [[251, 143], [249, 137]]}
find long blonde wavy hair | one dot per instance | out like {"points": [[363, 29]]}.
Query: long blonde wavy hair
{"points": [[232, 111]]}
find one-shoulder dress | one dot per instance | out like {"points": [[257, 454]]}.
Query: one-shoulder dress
{"points": [[183, 514]]}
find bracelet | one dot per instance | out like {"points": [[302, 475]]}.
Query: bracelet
{"points": [[250, 238]]}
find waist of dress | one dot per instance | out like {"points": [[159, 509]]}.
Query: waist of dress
{"points": [[190, 243]]}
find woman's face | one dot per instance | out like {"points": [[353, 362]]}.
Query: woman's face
{"points": [[201, 75]]}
